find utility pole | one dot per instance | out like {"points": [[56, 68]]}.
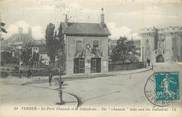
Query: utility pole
{"points": [[61, 56]]}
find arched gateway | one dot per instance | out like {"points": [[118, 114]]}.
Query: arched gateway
{"points": [[160, 59]]}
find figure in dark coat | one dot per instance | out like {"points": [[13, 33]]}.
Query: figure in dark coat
{"points": [[50, 78]]}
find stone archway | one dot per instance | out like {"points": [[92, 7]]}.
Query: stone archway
{"points": [[160, 59]]}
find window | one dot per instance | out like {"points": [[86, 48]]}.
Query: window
{"points": [[79, 65], [95, 44], [78, 46], [96, 65]]}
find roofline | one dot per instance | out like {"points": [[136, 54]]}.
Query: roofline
{"points": [[82, 22], [94, 35]]}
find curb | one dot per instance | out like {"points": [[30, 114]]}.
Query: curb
{"points": [[79, 102], [89, 76], [104, 74], [76, 98]]}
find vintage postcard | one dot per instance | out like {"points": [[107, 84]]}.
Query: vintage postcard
{"points": [[90, 58]]}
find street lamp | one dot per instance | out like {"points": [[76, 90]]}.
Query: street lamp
{"points": [[61, 60]]}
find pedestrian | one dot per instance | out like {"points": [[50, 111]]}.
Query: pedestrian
{"points": [[29, 73], [148, 62], [50, 78], [20, 74]]}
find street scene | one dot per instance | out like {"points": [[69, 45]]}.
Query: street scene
{"points": [[78, 54], [118, 89]]}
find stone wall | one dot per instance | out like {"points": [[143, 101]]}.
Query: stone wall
{"points": [[169, 46]]}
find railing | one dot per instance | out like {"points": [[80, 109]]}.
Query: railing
{"points": [[129, 66]]}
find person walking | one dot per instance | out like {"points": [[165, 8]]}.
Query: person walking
{"points": [[20, 74], [50, 78], [148, 62]]}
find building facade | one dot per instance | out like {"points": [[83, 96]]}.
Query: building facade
{"points": [[86, 46], [162, 44]]}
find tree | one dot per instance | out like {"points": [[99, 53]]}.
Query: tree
{"points": [[7, 58], [125, 51], [26, 55], [56, 47], [52, 43], [2, 29], [61, 51]]}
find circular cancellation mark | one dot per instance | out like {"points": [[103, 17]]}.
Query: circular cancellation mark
{"points": [[151, 94]]}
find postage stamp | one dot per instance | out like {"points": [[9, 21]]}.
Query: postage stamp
{"points": [[162, 88], [167, 86]]}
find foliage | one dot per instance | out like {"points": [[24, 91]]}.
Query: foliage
{"points": [[125, 51], [2, 29], [4, 74], [55, 47], [52, 42], [27, 56], [7, 58]]}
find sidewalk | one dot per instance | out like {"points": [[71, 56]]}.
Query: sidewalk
{"points": [[44, 79], [49, 95], [106, 74]]}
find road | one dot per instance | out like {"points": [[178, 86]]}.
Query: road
{"points": [[13, 93], [119, 90]]}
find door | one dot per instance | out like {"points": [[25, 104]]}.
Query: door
{"points": [[159, 59], [79, 65], [96, 65]]}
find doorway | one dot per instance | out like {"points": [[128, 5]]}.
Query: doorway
{"points": [[79, 65], [95, 65], [159, 59]]}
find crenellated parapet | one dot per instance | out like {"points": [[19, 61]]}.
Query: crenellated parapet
{"points": [[162, 43], [161, 30]]}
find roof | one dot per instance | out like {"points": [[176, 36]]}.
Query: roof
{"points": [[42, 49], [19, 39], [39, 42], [85, 29], [137, 43]]}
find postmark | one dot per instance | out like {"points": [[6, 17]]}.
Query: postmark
{"points": [[162, 88]]}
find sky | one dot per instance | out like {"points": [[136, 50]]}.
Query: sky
{"points": [[123, 17]]}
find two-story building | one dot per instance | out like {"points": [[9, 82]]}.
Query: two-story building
{"points": [[86, 46]]}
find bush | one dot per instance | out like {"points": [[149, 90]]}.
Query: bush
{"points": [[4, 74]]}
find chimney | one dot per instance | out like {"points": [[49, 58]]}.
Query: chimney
{"points": [[102, 16], [66, 20]]}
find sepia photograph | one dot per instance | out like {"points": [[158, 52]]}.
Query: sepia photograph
{"points": [[83, 57]]}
